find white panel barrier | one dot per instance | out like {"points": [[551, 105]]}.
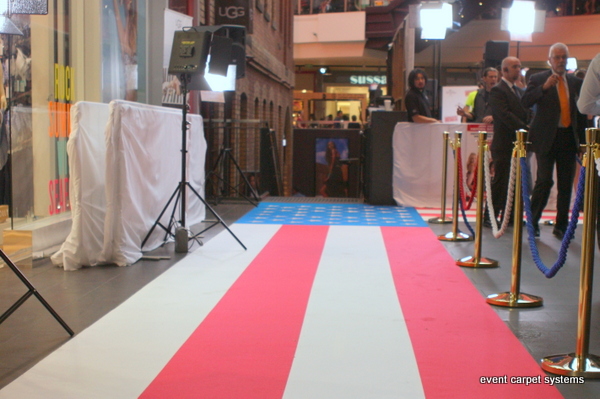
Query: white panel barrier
{"points": [[125, 163]]}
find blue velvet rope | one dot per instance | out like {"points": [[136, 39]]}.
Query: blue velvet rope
{"points": [[464, 215], [562, 254], [458, 158]]}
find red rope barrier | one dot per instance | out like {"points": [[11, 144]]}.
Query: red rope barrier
{"points": [[473, 187], [460, 183]]}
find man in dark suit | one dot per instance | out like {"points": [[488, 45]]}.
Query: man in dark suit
{"points": [[509, 116], [556, 132]]}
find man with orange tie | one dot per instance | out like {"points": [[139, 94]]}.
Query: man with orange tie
{"points": [[556, 131]]}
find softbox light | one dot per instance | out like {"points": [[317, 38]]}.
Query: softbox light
{"points": [[189, 52], [522, 20]]}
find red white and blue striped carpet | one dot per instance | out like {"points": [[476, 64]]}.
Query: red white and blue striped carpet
{"points": [[369, 305]]}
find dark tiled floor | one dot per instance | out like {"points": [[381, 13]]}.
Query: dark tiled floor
{"points": [[552, 328], [80, 298]]}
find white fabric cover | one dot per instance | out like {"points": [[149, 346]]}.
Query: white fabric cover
{"points": [[86, 150], [122, 178], [418, 158]]}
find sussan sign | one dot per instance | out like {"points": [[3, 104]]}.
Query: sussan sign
{"points": [[368, 79]]}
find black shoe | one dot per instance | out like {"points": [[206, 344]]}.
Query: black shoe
{"points": [[536, 231], [558, 233], [487, 223]]}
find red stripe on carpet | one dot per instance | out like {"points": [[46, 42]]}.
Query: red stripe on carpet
{"points": [[457, 337], [245, 346]]}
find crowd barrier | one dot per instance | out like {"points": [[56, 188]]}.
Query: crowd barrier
{"points": [[580, 362], [418, 156]]}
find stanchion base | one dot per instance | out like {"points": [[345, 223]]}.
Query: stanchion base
{"points": [[572, 365], [440, 220], [509, 300], [471, 261], [458, 237]]}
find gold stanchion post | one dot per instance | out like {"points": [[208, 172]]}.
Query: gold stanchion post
{"points": [[582, 363], [455, 234], [442, 218], [477, 260], [515, 298]]}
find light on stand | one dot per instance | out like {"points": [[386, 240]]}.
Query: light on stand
{"points": [[435, 18], [522, 20], [521, 17], [195, 51], [222, 83]]}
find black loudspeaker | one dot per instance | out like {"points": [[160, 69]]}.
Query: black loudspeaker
{"points": [[237, 34], [379, 157], [221, 51], [494, 52]]}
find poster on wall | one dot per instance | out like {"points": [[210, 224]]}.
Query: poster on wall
{"points": [[331, 178], [452, 97], [120, 63], [171, 87]]}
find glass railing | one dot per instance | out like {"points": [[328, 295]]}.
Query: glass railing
{"points": [[303, 7]]}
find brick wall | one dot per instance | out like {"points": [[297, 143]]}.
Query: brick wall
{"points": [[266, 92]]}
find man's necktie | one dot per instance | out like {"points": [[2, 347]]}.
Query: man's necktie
{"points": [[565, 112], [517, 91]]}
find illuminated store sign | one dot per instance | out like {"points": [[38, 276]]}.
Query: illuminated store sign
{"points": [[368, 79]]}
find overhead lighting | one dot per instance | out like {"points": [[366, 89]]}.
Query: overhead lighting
{"points": [[435, 18], [324, 71], [522, 20], [521, 17]]}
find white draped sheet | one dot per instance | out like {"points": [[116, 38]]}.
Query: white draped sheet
{"points": [[418, 159], [121, 178]]}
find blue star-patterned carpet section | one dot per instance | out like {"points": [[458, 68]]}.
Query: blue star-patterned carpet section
{"points": [[333, 214]]}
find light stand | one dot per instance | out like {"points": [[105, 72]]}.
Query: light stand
{"points": [[435, 18], [8, 28], [181, 234], [189, 56], [437, 75]]}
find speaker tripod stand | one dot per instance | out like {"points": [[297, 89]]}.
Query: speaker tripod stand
{"points": [[221, 168], [179, 195], [222, 164], [30, 291]]}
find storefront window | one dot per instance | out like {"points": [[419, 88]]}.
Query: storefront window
{"points": [[16, 175]]}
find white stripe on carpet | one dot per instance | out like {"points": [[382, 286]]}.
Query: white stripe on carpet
{"points": [[118, 356], [354, 342]]}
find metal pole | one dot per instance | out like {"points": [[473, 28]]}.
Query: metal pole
{"points": [[582, 363], [514, 298], [455, 234], [477, 260], [442, 218]]}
